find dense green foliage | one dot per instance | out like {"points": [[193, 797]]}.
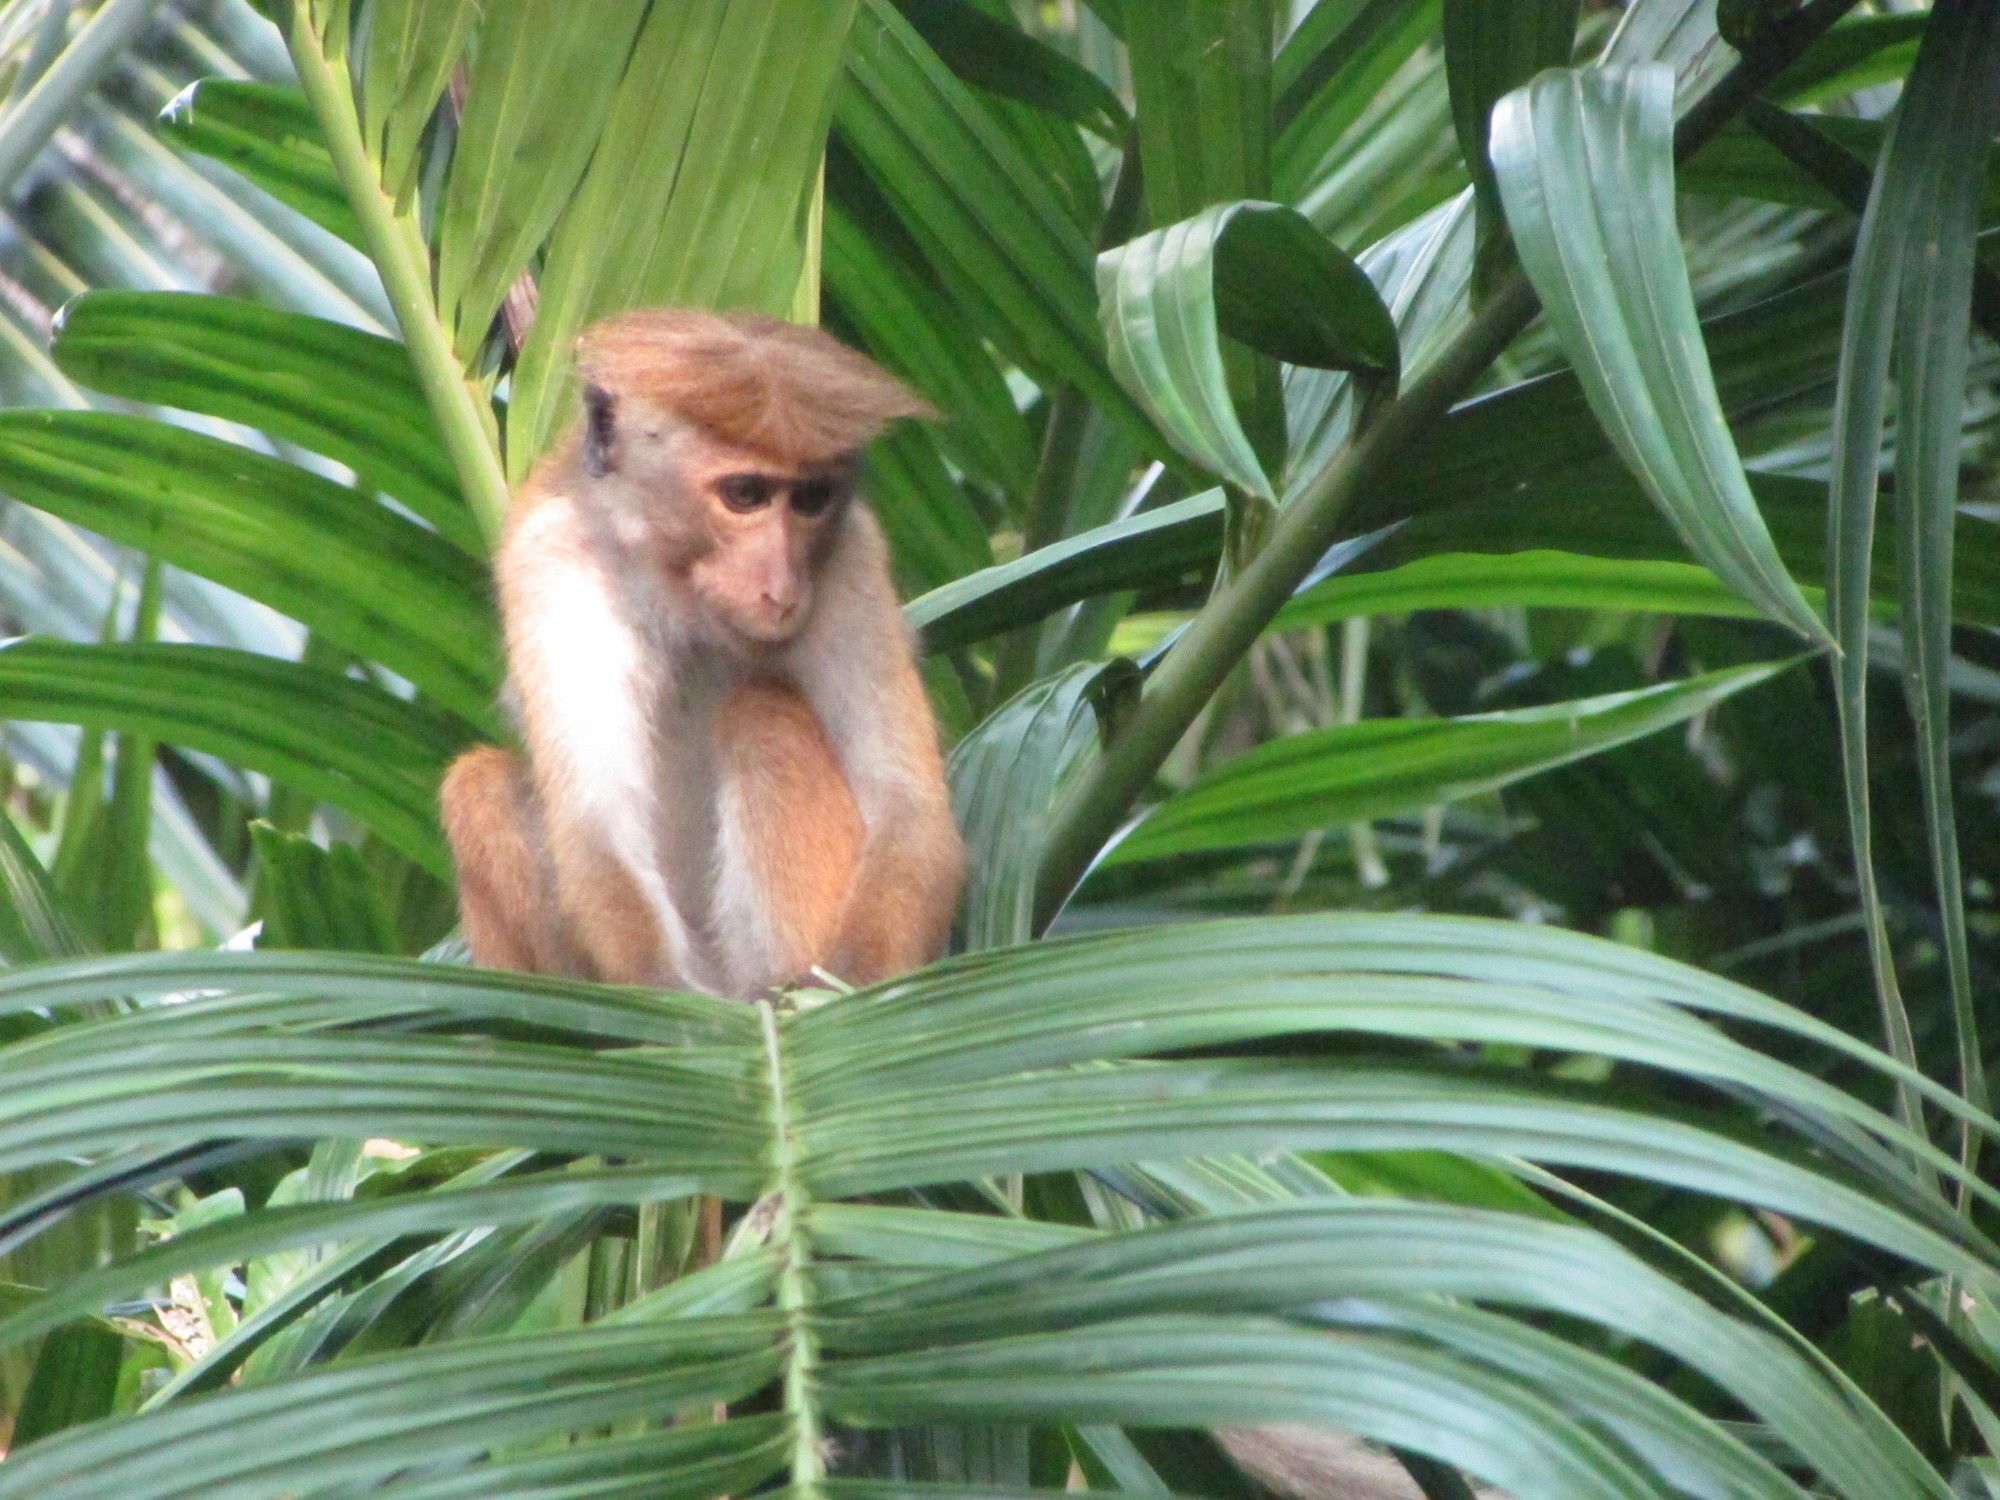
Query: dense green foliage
{"points": [[1406, 484]]}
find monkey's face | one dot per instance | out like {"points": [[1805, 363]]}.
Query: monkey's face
{"points": [[746, 532], [770, 529]]}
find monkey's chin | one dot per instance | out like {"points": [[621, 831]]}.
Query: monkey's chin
{"points": [[765, 637]]}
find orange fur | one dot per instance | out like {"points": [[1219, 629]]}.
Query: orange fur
{"points": [[732, 771], [800, 829], [789, 391], [489, 816]]}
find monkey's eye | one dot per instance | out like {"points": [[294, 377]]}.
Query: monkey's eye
{"points": [[746, 491], [812, 496]]}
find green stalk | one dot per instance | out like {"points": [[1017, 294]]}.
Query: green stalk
{"points": [[396, 243], [788, 1237], [1233, 619]]}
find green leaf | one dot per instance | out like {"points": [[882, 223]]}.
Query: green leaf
{"points": [[357, 1426], [1381, 768], [33, 924], [1538, 579], [879, 290], [1155, 546], [313, 897], [989, 52], [1201, 81], [75, 1382], [271, 1231], [1585, 165], [1007, 775], [325, 386], [1490, 50], [666, 212], [513, 168], [266, 132], [383, 586], [1910, 293], [413, 45], [1330, 69], [345, 742], [1258, 271], [934, 534], [1016, 263]]}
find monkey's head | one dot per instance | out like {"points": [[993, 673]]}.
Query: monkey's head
{"points": [[727, 445]]}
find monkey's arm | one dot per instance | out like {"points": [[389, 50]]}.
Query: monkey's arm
{"points": [[588, 687], [861, 677]]}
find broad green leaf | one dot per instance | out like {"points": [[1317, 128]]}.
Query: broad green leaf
{"points": [[413, 45], [266, 132], [334, 558], [1585, 165], [1007, 774], [666, 212], [1154, 546], [333, 389], [1258, 271], [1387, 767], [345, 742], [539, 88], [1909, 301]]}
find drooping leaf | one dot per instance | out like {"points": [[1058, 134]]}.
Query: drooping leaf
{"points": [[1909, 302], [1584, 160], [1258, 271], [1383, 767], [1006, 776]]}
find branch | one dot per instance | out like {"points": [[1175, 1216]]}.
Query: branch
{"points": [[1218, 637]]}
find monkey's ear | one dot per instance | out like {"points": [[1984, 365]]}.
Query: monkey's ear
{"points": [[598, 430]]}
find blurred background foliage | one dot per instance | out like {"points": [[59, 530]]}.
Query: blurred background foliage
{"points": [[1272, 558]]}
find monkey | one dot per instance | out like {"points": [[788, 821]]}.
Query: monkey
{"points": [[732, 774]]}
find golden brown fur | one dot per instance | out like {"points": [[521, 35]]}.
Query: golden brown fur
{"points": [[732, 773], [791, 392]]}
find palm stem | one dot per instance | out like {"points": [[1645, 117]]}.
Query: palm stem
{"points": [[788, 1236], [396, 244]]}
